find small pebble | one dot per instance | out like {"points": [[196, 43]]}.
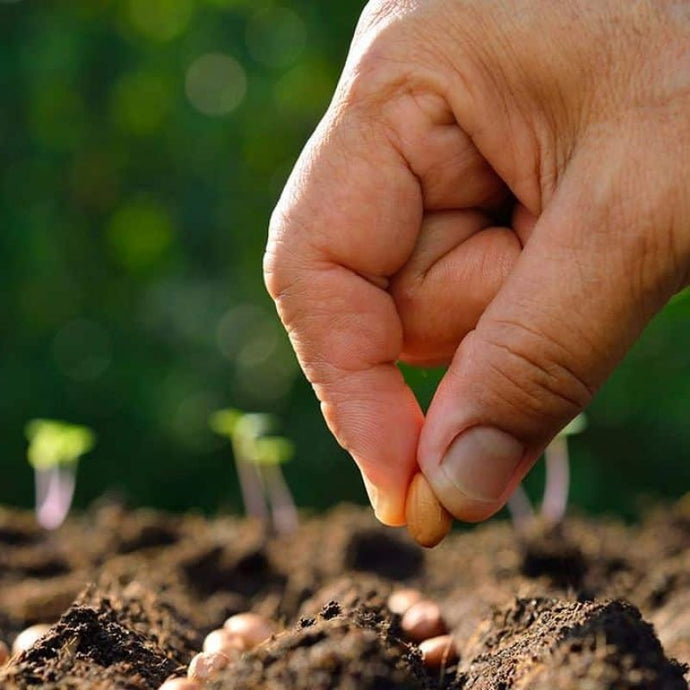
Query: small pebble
{"points": [[403, 599], [427, 520], [251, 627], [220, 641], [438, 651], [27, 638], [422, 621], [204, 666], [4, 653], [180, 684]]}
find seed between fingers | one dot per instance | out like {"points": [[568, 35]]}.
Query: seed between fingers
{"points": [[427, 520]]}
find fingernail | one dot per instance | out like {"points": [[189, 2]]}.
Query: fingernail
{"points": [[383, 507], [481, 462]]}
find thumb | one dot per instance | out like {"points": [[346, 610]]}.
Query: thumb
{"points": [[590, 276]]}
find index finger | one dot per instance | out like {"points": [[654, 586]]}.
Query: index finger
{"points": [[348, 218]]}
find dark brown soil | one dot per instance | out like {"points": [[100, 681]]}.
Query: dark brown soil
{"points": [[593, 604]]}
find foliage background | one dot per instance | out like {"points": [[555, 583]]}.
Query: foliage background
{"points": [[143, 145]]}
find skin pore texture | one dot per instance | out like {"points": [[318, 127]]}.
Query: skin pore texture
{"points": [[501, 187]]}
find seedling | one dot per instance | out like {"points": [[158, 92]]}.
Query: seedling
{"points": [[54, 451], [258, 460], [555, 499], [557, 485]]}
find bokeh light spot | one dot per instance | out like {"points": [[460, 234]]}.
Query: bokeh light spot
{"points": [[215, 84], [139, 234], [276, 36], [81, 349], [160, 20], [140, 102], [233, 327]]}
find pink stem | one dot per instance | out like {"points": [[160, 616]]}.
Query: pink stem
{"points": [[250, 486], [555, 500], [54, 493], [520, 508], [285, 518]]}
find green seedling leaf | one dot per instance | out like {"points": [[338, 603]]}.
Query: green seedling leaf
{"points": [[224, 422], [253, 425], [273, 450], [576, 426], [53, 443], [244, 426]]}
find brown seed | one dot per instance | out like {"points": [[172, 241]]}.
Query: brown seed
{"points": [[251, 627], [422, 621], [402, 599], [221, 641], [27, 638], [180, 684], [204, 666], [427, 520], [438, 651], [4, 653]]}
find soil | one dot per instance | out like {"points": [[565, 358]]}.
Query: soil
{"points": [[590, 604]]}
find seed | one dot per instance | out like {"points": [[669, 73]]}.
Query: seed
{"points": [[4, 653], [250, 627], [427, 520], [220, 641], [403, 599], [27, 638], [422, 621], [180, 684], [438, 651], [204, 666]]}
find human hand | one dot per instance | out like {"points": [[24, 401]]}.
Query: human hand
{"points": [[501, 186]]}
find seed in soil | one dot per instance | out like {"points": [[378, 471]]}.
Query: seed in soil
{"points": [[204, 666], [180, 684], [422, 621], [427, 520], [438, 651], [28, 637], [4, 653], [403, 599], [250, 627], [220, 641]]}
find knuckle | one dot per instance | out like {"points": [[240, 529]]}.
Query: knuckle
{"points": [[378, 14], [277, 277], [391, 51], [284, 255]]}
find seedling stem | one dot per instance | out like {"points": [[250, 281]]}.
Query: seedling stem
{"points": [[555, 499], [54, 451], [258, 458]]}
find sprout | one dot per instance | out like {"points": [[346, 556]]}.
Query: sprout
{"points": [[258, 458], [271, 453], [555, 498], [54, 451], [520, 508]]}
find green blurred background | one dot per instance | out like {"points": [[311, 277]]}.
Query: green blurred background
{"points": [[143, 146]]}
